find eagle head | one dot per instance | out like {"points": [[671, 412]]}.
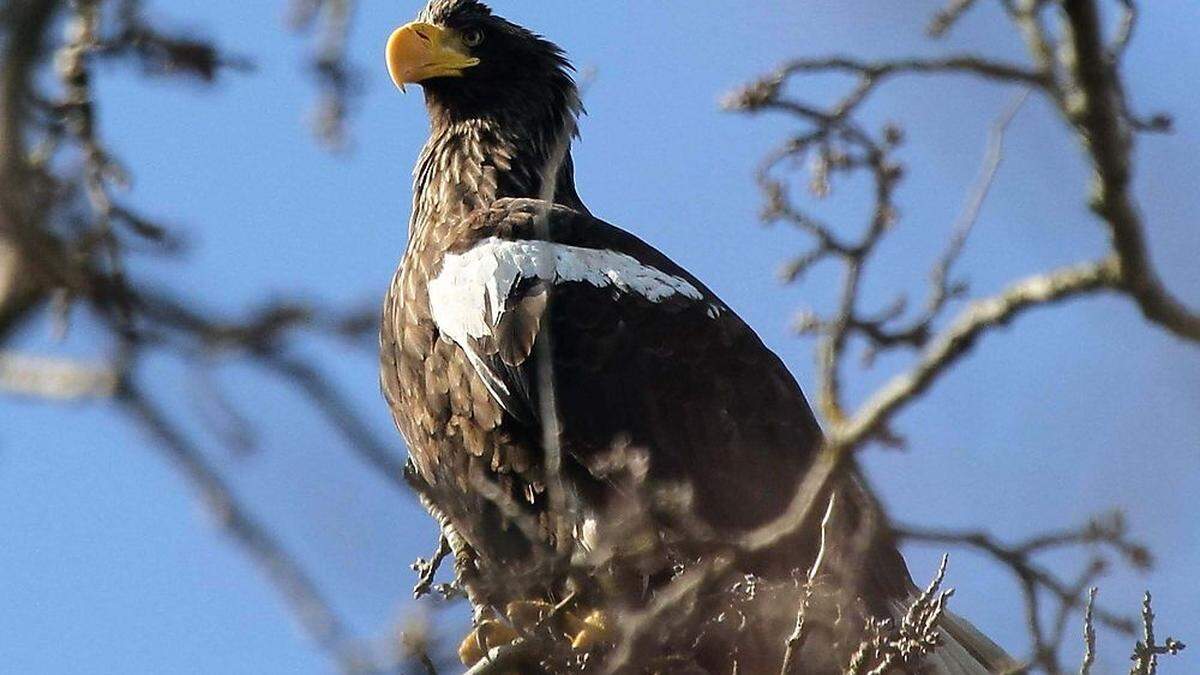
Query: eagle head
{"points": [[473, 63]]}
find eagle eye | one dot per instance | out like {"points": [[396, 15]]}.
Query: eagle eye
{"points": [[472, 37]]}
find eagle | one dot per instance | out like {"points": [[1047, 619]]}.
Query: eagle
{"points": [[585, 418]]}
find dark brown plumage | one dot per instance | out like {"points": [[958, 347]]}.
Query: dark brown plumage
{"points": [[522, 332]]}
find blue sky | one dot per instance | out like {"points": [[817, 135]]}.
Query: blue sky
{"points": [[107, 563]]}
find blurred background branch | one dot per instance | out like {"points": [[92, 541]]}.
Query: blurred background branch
{"points": [[1081, 75], [69, 231], [71, 251]]}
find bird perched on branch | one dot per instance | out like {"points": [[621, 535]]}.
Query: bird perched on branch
{"points": [[589, 423]]}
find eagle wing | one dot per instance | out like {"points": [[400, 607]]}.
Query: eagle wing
{"points": [[574, 323]]}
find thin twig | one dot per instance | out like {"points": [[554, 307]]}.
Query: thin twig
{"points": [[795, 641], [949, 15], [427, 569], [1039, 583], [1093, 104], [1089, 634], [967, 64], [1147, 650]]}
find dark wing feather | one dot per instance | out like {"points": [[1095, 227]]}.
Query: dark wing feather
{"points": [[682, 377], [499, 357]]}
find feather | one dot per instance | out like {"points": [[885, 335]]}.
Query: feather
{"points": [[964, 649]]}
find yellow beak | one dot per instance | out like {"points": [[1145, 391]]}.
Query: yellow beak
{"points": [[420, 51]]}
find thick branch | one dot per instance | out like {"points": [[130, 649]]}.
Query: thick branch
{"points": [[945, 350], [1093, 104], [314, 613], [24, 277], [957, 340]]}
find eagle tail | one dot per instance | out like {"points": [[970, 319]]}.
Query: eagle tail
{"points": [[965, 650]]}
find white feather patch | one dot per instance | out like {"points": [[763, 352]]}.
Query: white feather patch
{"points": [[467, 297]]}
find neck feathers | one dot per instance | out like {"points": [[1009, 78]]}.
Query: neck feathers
{"points": [[469, 162]]}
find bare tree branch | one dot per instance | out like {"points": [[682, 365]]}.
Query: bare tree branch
{"points": [[360, 438], [957, 340], [27, 257], [1089, 634], [336, 77], [1076, 71], [311, 609], [906, 645], [966, 64], [1146, 652], [949, 15], [1092, 102], [795, 641], [56, 379], [945, 350], [1039, 583], [75, 250], [52, 243]]}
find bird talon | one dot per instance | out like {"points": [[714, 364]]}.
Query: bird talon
{"points": [[483, 638], [590, 632], [585, 631], [527, 615]]}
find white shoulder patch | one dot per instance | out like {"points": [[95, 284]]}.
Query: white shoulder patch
{"points": [[468, 295]]}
